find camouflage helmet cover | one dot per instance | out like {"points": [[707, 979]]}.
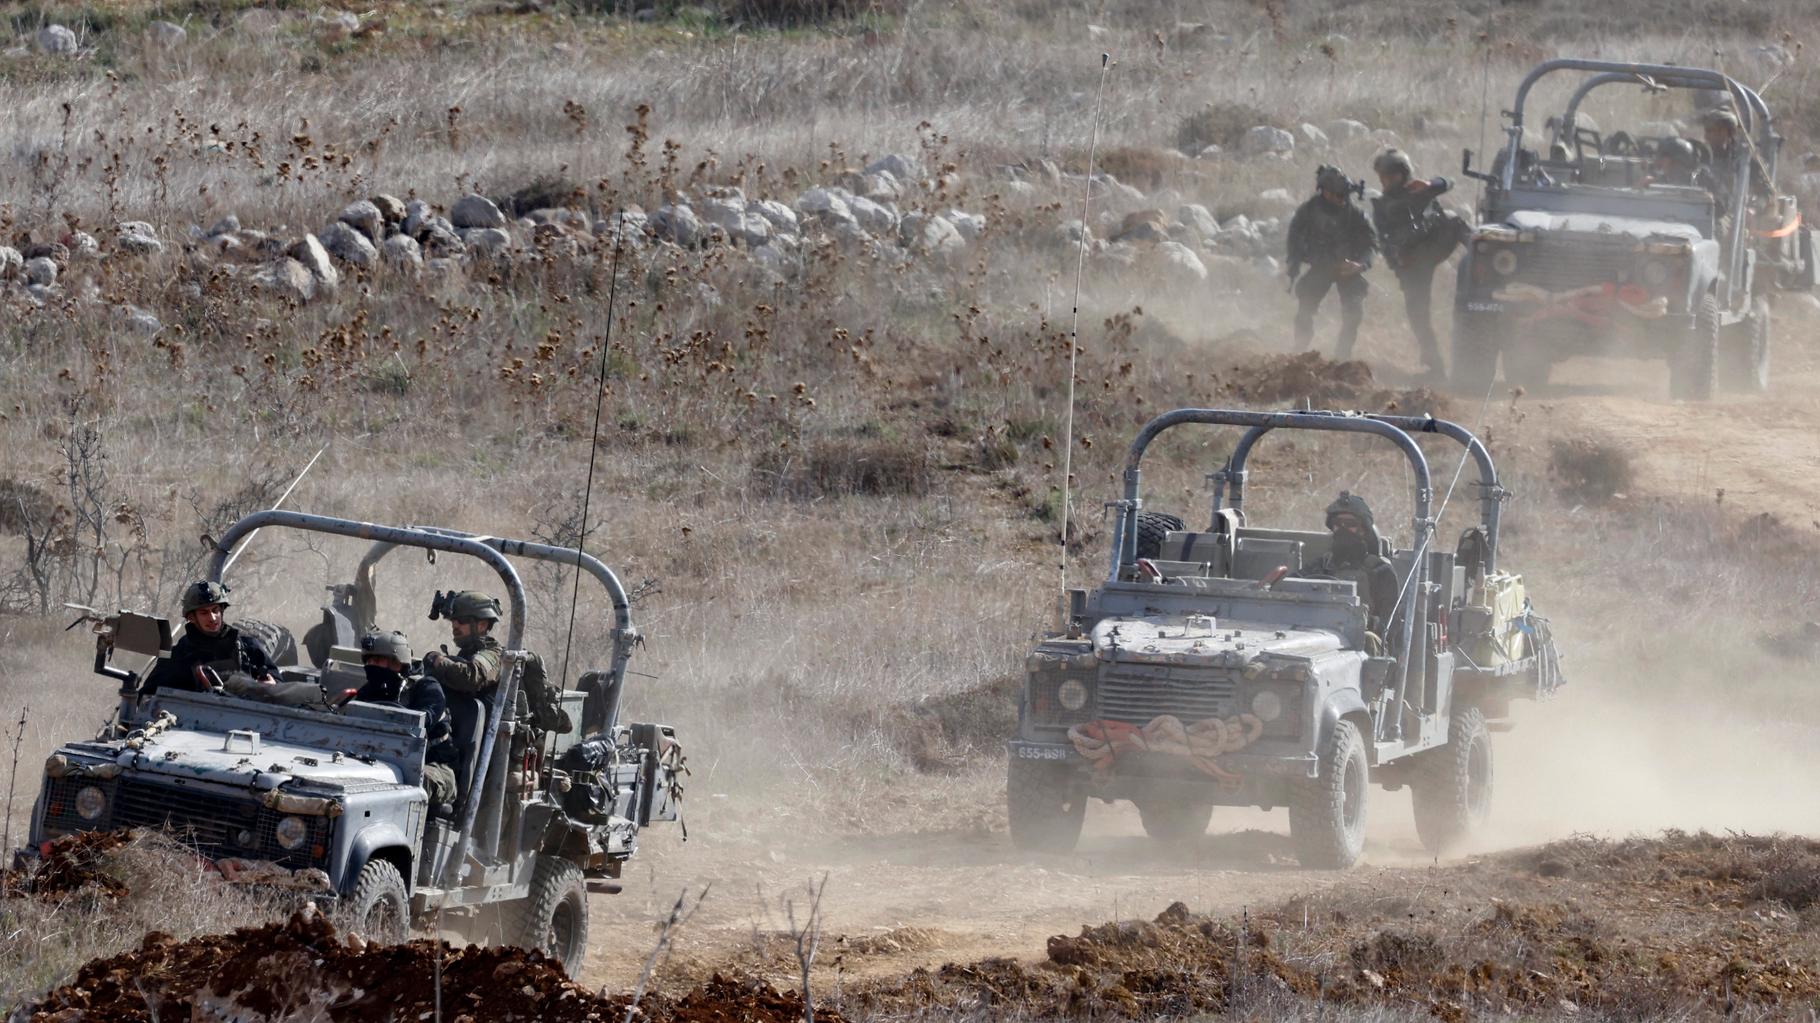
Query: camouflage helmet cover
{"points": [[1393, 161], [1350, 504], [459, 604], [204, 594], [1679, 151], [386, 644], [1720, 116], [1328, 178]]}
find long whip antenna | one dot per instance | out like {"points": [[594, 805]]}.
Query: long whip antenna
{"points": [[600, 394], [1074, 324], [244, 544]]}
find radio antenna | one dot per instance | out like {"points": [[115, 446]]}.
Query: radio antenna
{"points": [[1074, 325]]}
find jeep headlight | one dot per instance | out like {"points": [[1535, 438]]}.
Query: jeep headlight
{"points": [[291, 833], [91, 802], [1072, 694], [1504, 261], [1267, 705]]}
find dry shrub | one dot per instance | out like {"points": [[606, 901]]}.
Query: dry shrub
{"points": [[546, 191], [1590, 471], [845, 467], [1219, 123], [800, 13], [22, 504], [1147, 167]]}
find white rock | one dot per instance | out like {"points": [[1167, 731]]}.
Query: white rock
{"points": [[491, 241], [825, 205], [1180, 263], [773, 258], [166, 34], [1210, 151], [1313, 135], [57, 41], [970, 225], [141, 322], [476, 211], [1276, 199], [1264, 140], [138, 238], [226, 225], [1017, 187], [83, 246], [853, 238], [10, 262], [881, 186], [921, 232], [365, 217], [904, 168], [390, 207], [41, 271], [680, 224], [742, 224], [439, 239], [876, 219], [349, 245], [782, 218], [1199, 219], [402, 250], [309, 252], [416, 214], [1346, 130]]}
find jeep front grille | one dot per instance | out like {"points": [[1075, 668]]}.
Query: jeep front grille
{"points": [[1557, 266], [211, 824], [1137, 693]]}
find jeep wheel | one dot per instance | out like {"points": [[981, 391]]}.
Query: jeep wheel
{"points": [[554, 917], [1452, 786], [1152, 529], [1693, 367], [1327, 813], [1168, 820], [1475, 353], [1744, 365], [378, 908], [1044, 805]]}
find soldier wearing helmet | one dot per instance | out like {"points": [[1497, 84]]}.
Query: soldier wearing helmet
{"points": [[474, 668], [1676, 163], [1332, 238], [1725, 138], [387, 656], [1354, 556], [1416, 236], [208, 642]]}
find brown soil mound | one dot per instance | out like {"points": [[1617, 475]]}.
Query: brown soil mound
{"points": [[1308, 378], [68, 865], [303, 969]]}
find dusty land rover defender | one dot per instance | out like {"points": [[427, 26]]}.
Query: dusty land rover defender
{"points": [[328, 799], [1588, 249], [1208, 669]]}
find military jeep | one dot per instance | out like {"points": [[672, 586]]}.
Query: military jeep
{"points": [[326, 798], [1211, 669], [1585, 250]]}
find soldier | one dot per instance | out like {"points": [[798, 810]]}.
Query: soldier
{"points": [[1354, 555], [208, 642], [387, 656], [474, 668], [1721, 127], [1675, 163], [1333, 239], [1416, 236]]}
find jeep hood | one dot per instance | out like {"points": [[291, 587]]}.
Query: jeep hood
{"points": [[267, 765], [1636, 228], [1201, 641]]}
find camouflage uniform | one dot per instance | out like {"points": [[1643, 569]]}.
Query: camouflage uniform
{"points": [[1416, 237], [1364, 567], [419, 693], [1324, 234], [227, 652]]}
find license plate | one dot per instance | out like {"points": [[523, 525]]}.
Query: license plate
{"points": [[1484, 307], [1041, 752]]}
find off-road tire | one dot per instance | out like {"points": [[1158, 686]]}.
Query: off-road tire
{"points": [[1327, 812], [1693, 369], [1152, 529], [1744, 362], [1169, 820], [1476, 340], [1452, 786], [1044, 804], [554, 917], [275, 640], [379, 908]]}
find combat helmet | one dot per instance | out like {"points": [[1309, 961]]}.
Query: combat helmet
{"points": [[458, 604], [206, 593], [1328, 178], [1393, 161], [1349, 503], [386, 644]]}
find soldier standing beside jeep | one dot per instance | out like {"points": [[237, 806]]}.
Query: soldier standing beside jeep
{"points": [[208, 642], [387, 656], [1416, 236], [1330, 236]]}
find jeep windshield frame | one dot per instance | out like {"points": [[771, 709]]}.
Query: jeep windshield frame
{"points": [[1753, 114]]}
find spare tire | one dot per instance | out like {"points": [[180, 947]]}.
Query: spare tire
{"points": [[275, 640], [1152, 529]]}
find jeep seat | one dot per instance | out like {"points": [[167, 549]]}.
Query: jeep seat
{"points": [[468, 725]]}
